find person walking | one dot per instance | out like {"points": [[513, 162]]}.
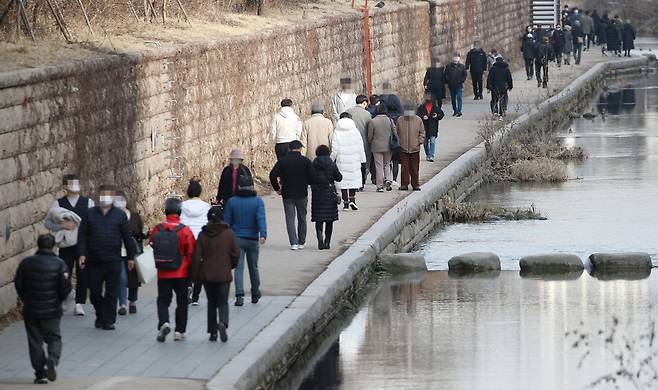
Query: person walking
{"points": [[476, 62], [317, 130], [42, 283], [612, 37], [74, 202], [373, 102], [394, 109], [543, 55], [194, 212], [173, 245], [245, 214], [587, 25], [619, 28], [578, 41], [349, 154], [568, 44], [380, 133], [100, 239], [455, 78], [527, 48], [558, 43], [291, 177], [343, 100], [362, 118], [228, 179], [499, 82], [129, 281], [628, 38], [434, 81], [431, 114], [411, 131], [324, 205], [286, 127], [216, 253], [603, 33]]}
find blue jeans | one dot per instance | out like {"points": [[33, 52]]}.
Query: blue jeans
{"points": [[430, 147], [456, 95], [126, 293], [248, 249]]}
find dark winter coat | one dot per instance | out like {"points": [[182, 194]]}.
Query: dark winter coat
{"points": [[612, 37], [42, 282], [602, 30], [225, 188], [476, 61], [101, 236], [543, 52], [393, 105], [430, 120], [296, 174], [576, 33], [216, 253], [455, 75], [629, 37], [434, 82], [323, 203], [137, 227], [500, 77], [527, 46], [558, 41]]}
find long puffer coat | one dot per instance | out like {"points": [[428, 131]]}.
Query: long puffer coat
{"points": [[348, 152], [323, 202]]}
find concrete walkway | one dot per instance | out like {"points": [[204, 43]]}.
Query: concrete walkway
{"points": [[130, 357]]}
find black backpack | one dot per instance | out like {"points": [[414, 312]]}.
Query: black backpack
{"points": [[165, 248]]}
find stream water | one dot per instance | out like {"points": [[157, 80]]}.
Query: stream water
{"points": [[432, 331]]}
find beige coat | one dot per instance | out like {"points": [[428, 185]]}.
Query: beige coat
{"points": [[317, 131], [411, 132], [379, 133]]}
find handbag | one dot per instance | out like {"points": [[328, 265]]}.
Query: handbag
{"points": [[580, 39], [145, 266], [394, 140], [332, 188]]}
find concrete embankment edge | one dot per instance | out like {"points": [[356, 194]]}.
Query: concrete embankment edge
{"points": [[271, 352]]}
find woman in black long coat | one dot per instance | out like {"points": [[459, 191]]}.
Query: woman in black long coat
{"points": [[324, 205], [628, 38]]}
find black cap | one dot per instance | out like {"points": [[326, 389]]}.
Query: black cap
{"points": [[215, 214], [245, 181], [296, 145]]}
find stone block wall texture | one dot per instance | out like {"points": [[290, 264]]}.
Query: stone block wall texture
{"points": [[139, 120]]}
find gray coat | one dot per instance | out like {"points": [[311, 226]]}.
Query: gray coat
{"points": [[568, 42], [379, 133], [361, 118]]}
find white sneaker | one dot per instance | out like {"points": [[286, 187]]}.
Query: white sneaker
{"points": [[163, 332], [300, 247], [78, 310], [195, 303], [294, 247], [178, 336]]}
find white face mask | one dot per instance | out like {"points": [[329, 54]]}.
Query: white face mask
{"points": [[236, 162], [106, 200], [73, 186]]}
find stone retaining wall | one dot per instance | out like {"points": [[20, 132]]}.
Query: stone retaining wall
{"points": [[268, 356]]}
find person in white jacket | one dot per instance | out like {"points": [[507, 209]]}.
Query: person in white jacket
{"points": [[286, 127], [194, 214], [349, 154], [344, 99]]}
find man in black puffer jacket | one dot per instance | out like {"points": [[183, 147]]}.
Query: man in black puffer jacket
{"points": [[42, 282], [499, 82]]}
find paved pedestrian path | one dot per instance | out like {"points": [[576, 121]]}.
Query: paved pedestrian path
{"points": [[130, 357]]}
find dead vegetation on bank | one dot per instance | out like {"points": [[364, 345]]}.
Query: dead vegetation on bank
{"points": [[460, 212], [532, 154]]}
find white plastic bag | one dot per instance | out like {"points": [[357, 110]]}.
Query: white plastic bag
{"points": [[145, 265]]}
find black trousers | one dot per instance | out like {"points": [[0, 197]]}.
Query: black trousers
{"points": [[438, 96], [476, 78], [108, 274], [70, 257], [395, 165], [166, 290], [529, 71], [348, 195], [281, 149], [196, 291], [541, 68], [499, 102], [324, 230], [38, 332], [217, 293]]}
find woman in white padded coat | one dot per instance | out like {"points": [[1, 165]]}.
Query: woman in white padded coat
{"points": [[348, 152]]}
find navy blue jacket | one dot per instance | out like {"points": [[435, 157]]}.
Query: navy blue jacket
{"points": [[100, 236]]}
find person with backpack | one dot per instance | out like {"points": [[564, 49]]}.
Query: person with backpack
{"points": [[193, 215], [216, 253], [245, 214], [173, 245], [42, 282]]}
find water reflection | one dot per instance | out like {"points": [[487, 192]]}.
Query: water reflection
{"points": [[611, 207], [503, 333]]}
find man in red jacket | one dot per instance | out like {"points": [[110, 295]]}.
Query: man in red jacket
{"points": [[172, 280]]}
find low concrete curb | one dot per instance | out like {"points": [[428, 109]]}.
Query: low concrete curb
{"points": [[474, 262], [399, 229], [551, 263]]}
